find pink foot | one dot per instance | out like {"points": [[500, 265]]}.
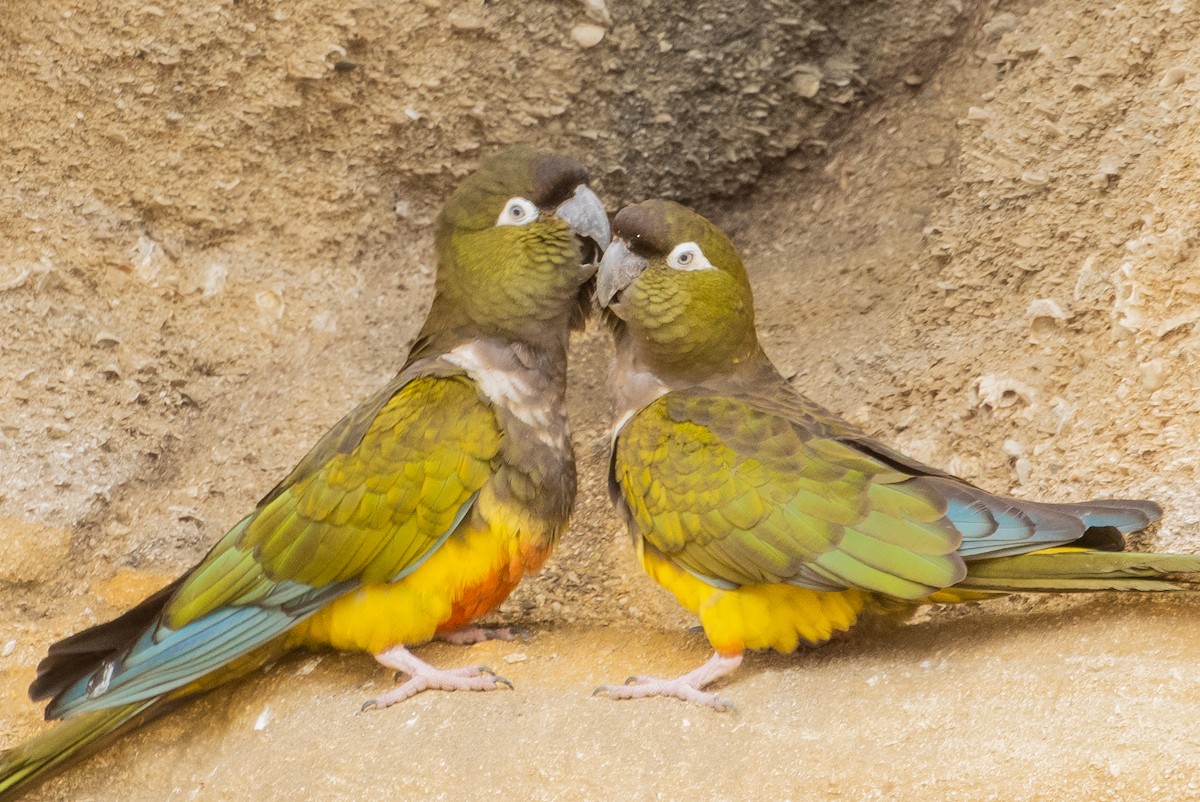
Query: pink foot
{"points": [[424, 677], [686, 687], [470, 635]]}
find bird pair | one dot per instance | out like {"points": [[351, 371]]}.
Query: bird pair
{"points": [[772, 519]]}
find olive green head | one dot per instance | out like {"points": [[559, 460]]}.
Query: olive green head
{"points": [[514, 242], [677, 283]]}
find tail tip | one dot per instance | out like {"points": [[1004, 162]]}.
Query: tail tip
{"points": [[1102, 538]]}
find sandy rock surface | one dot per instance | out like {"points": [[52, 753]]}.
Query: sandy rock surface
{"points": [[971, 230]]}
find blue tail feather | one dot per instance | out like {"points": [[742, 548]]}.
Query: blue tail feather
{"points": [[994, 526], [164, 659]]}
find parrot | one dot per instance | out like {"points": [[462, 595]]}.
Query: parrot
{"points": [[777, 522], [416, 514]]}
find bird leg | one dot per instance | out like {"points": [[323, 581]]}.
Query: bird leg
{"points": [[686, 687], [424, 677], [468, 636]]}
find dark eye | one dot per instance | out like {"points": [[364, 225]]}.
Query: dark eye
{"points": [[688, 256], [517, 212]]}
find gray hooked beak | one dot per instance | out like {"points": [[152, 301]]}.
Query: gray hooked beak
{"points": [[585, 214], [619, 267]]}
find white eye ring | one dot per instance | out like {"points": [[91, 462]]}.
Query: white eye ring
{"points": [[517, 212], [688, 256]]}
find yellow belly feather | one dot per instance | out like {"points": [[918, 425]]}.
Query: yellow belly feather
{"points": [[760, 616], [468, 576]]}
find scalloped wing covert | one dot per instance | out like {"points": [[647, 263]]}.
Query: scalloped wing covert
{"points": [[738, 495]]}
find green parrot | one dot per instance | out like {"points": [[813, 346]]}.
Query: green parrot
{"points": [[416, 514], [776, 521]]}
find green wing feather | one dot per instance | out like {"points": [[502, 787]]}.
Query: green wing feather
{"points": [[370, 500], [737, 492]]}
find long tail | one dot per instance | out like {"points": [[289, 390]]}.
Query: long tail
{"points": [[995, 526], [1069, 570], [1124, 514], [39, 758]]}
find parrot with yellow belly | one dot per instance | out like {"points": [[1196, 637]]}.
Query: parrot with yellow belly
{"points": [[777, 522], [416, 514]]}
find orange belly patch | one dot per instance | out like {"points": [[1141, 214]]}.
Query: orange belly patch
{"points": [[467, 577]]}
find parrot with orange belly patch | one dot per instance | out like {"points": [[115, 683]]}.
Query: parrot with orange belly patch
{"points": [[416, 514]]}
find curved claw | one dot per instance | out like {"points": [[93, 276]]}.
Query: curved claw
{"points": [[687, 688], [370, 704], [422, 677]]}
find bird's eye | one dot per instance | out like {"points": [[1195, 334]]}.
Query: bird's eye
{"points": [[688, 256], [517, 212]]}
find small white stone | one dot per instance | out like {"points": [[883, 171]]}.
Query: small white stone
{"points": [[106, 339], [1047, 308], [587, 35], [270, 304], [309, 666], [1154, 374], [465, 21], [807, 84], [1000, 25], [325, 322], [1023, 467], [146, 258], [998, 391], [214, 279]]}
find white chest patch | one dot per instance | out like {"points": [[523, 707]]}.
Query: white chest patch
{"points": [[634, 389], [509, 386]]}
